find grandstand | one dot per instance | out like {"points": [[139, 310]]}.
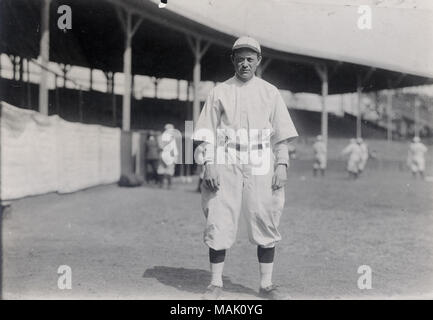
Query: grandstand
{"points": [[301, 63]]}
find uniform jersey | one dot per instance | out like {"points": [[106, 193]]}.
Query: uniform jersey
{"points": [[254, 105], [416, 160], [354, 152], [364, 151], [364, 156], [417, 150], [230, 106], [319, 148]]}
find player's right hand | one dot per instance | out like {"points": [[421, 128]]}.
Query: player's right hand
{"points": [[211, 177]]}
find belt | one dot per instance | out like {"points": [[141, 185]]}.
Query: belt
{"points": [[243, 147]]}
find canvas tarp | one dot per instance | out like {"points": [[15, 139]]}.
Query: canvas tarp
{"points": [[41, 154]]}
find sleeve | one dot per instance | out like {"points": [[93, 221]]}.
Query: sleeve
{"points": [[282, 123], [281, 152], [205, 128]]}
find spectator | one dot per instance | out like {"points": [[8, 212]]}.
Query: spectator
{"points": [[152, 159]]}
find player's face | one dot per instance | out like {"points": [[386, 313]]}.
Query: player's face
{"points": [[245, 62]]}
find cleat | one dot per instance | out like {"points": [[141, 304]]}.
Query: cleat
{"points": [[212, 292], [274, 292]]}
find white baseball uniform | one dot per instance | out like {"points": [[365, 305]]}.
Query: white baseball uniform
{"points": [[416, 158], [354, 152], [252, 105], [319, 148], [364, 156]]}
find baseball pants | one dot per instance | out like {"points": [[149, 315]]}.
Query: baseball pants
{"points": [[242, 191], [320, 162], [417, 165]]}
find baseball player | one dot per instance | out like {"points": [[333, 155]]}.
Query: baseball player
{"points": [[353, 150], [244, 104], [364, 155], [319, 148], [169, 153], [415, 157]]}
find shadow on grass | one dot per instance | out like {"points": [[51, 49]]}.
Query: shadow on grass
{"points": [[191, 280]]}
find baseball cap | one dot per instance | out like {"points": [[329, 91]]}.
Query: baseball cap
{"points": [[168, 126], [247, 42]]}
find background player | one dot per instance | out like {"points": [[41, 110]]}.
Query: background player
{"points": [[416, 157], [353, 151], [169, 155], [363, 156], [319, 149]]}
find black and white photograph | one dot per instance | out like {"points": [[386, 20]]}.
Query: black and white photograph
{"points": [[222, 150]]}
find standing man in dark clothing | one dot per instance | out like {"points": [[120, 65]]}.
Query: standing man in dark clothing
{"points": [[152, 158]]}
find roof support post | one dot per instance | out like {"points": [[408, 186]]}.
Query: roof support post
{"points": [[358, 106], [113, 105], [389, 115], [29, 94], [129, 29], [110, 90], [361, 80], [45, 56], [198, 52], [127, 62], [22, 87], [389, 94], [322, 72], [416, 117]]}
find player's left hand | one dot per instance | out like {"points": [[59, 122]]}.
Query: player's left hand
{"points": [[280, 177]]}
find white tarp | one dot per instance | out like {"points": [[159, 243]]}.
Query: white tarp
{"points": [[41, 154], [328, 28]]}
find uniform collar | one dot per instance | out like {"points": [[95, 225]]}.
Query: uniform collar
{"points": [[241, 83]]}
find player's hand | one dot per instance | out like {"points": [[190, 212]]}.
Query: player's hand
{"points": [[280, 177], [211, 177]]}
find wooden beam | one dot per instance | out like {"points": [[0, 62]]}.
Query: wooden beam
{"points": [[121, 18], [359, 80], [135, 27], [322, 72], [127, 62], [45, 56]]}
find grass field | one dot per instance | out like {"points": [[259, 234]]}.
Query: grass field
{"points": [[146, 243]]}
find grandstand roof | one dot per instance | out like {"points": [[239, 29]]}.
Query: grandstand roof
{"points": [[295, 34]]}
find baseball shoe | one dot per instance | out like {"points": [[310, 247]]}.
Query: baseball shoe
{"points": [[212, 292], [273, 292]]}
